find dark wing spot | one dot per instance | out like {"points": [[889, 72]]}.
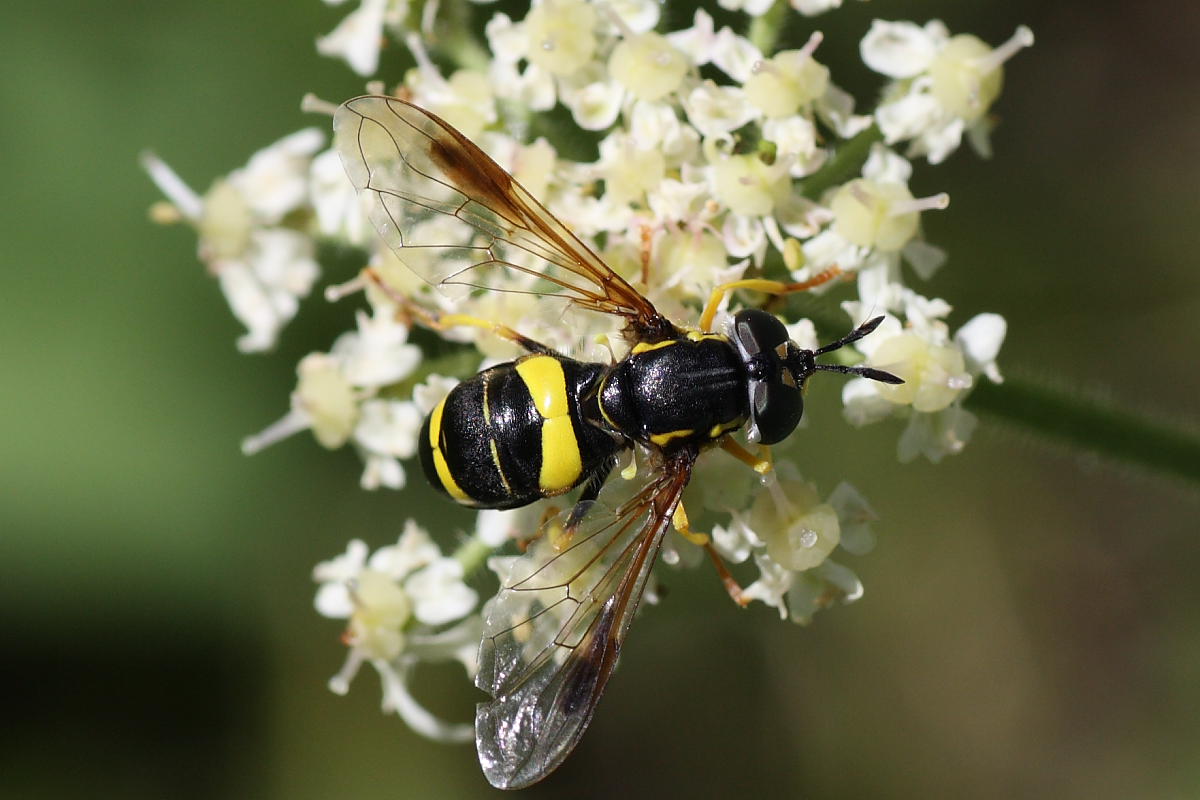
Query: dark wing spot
{"points": [[469, 169]]}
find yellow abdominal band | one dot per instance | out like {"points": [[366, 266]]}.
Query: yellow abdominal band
{"points": [[547, 384], [439, 461]]}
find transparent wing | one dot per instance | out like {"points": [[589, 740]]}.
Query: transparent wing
{"points": [[553, 634], [453, 216]]}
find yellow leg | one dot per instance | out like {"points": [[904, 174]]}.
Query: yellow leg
{"points": [[761, 285], [680, 520], [441, 322], [548, 525], [761, 463]]}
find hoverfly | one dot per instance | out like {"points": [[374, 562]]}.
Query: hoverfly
{"points": [[546, 424]]}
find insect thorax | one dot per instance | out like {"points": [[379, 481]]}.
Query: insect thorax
{"points": [[689, 390]]}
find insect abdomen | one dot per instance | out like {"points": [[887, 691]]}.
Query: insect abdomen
{"points": [[513, 434]]}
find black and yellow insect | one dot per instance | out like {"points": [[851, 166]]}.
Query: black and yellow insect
{"points": [[545, 423]]}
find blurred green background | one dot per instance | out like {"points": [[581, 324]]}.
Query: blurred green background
{"points": [[1031, 626]]}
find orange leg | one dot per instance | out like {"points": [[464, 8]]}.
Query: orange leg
{"points": [[683, 527], [735, 590], [646, 248]]}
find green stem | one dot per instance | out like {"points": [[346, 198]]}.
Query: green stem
{"points": [[472, 554], [1066, 417], [846, 164], [458, 39], [765, 28], [1089, 424], [467, 51]]}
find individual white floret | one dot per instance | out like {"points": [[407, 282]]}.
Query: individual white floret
{"points": [[358, 37], [393, 603], [944, 85]]}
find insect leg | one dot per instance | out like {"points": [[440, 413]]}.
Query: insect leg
{"points": [[761, 285], [561, 531], [735, 590], [437, 321], [761, 463], [591, 490], [646, 248], [680, 520], [543, 525], [684, 528]]}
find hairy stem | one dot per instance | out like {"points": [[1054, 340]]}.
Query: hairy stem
{"points": [[1065, 417], [1090, 425]]}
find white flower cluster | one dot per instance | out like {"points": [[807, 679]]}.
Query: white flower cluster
{"points": [[781, 524], [944, 85], [264, 266], [400, 603], [791, 532], [714, 157]]}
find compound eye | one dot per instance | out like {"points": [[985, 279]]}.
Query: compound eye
{"points": [[775, 399], [757, 331], [777, 411]]}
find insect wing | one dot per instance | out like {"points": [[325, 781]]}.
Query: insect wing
{"points": [[553, 634], [455, 217]]}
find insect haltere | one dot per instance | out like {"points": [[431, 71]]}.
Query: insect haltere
{"points": [[545, 424]]}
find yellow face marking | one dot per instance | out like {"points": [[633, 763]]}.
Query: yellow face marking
{"points": [[547, 385], [661, 439], [561, 462], [646, 347], [439, 461]]}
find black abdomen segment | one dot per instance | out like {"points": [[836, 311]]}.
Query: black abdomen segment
{"points": [[514, 434]]}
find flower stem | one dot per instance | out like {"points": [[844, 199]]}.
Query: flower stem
{"points": [[766, 27], [458, 40], [1090, 424], [1069, 418], [472, 554], [846, 164]]}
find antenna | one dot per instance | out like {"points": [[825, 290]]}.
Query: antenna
{"points": [[865, 372], [851, 337]]}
